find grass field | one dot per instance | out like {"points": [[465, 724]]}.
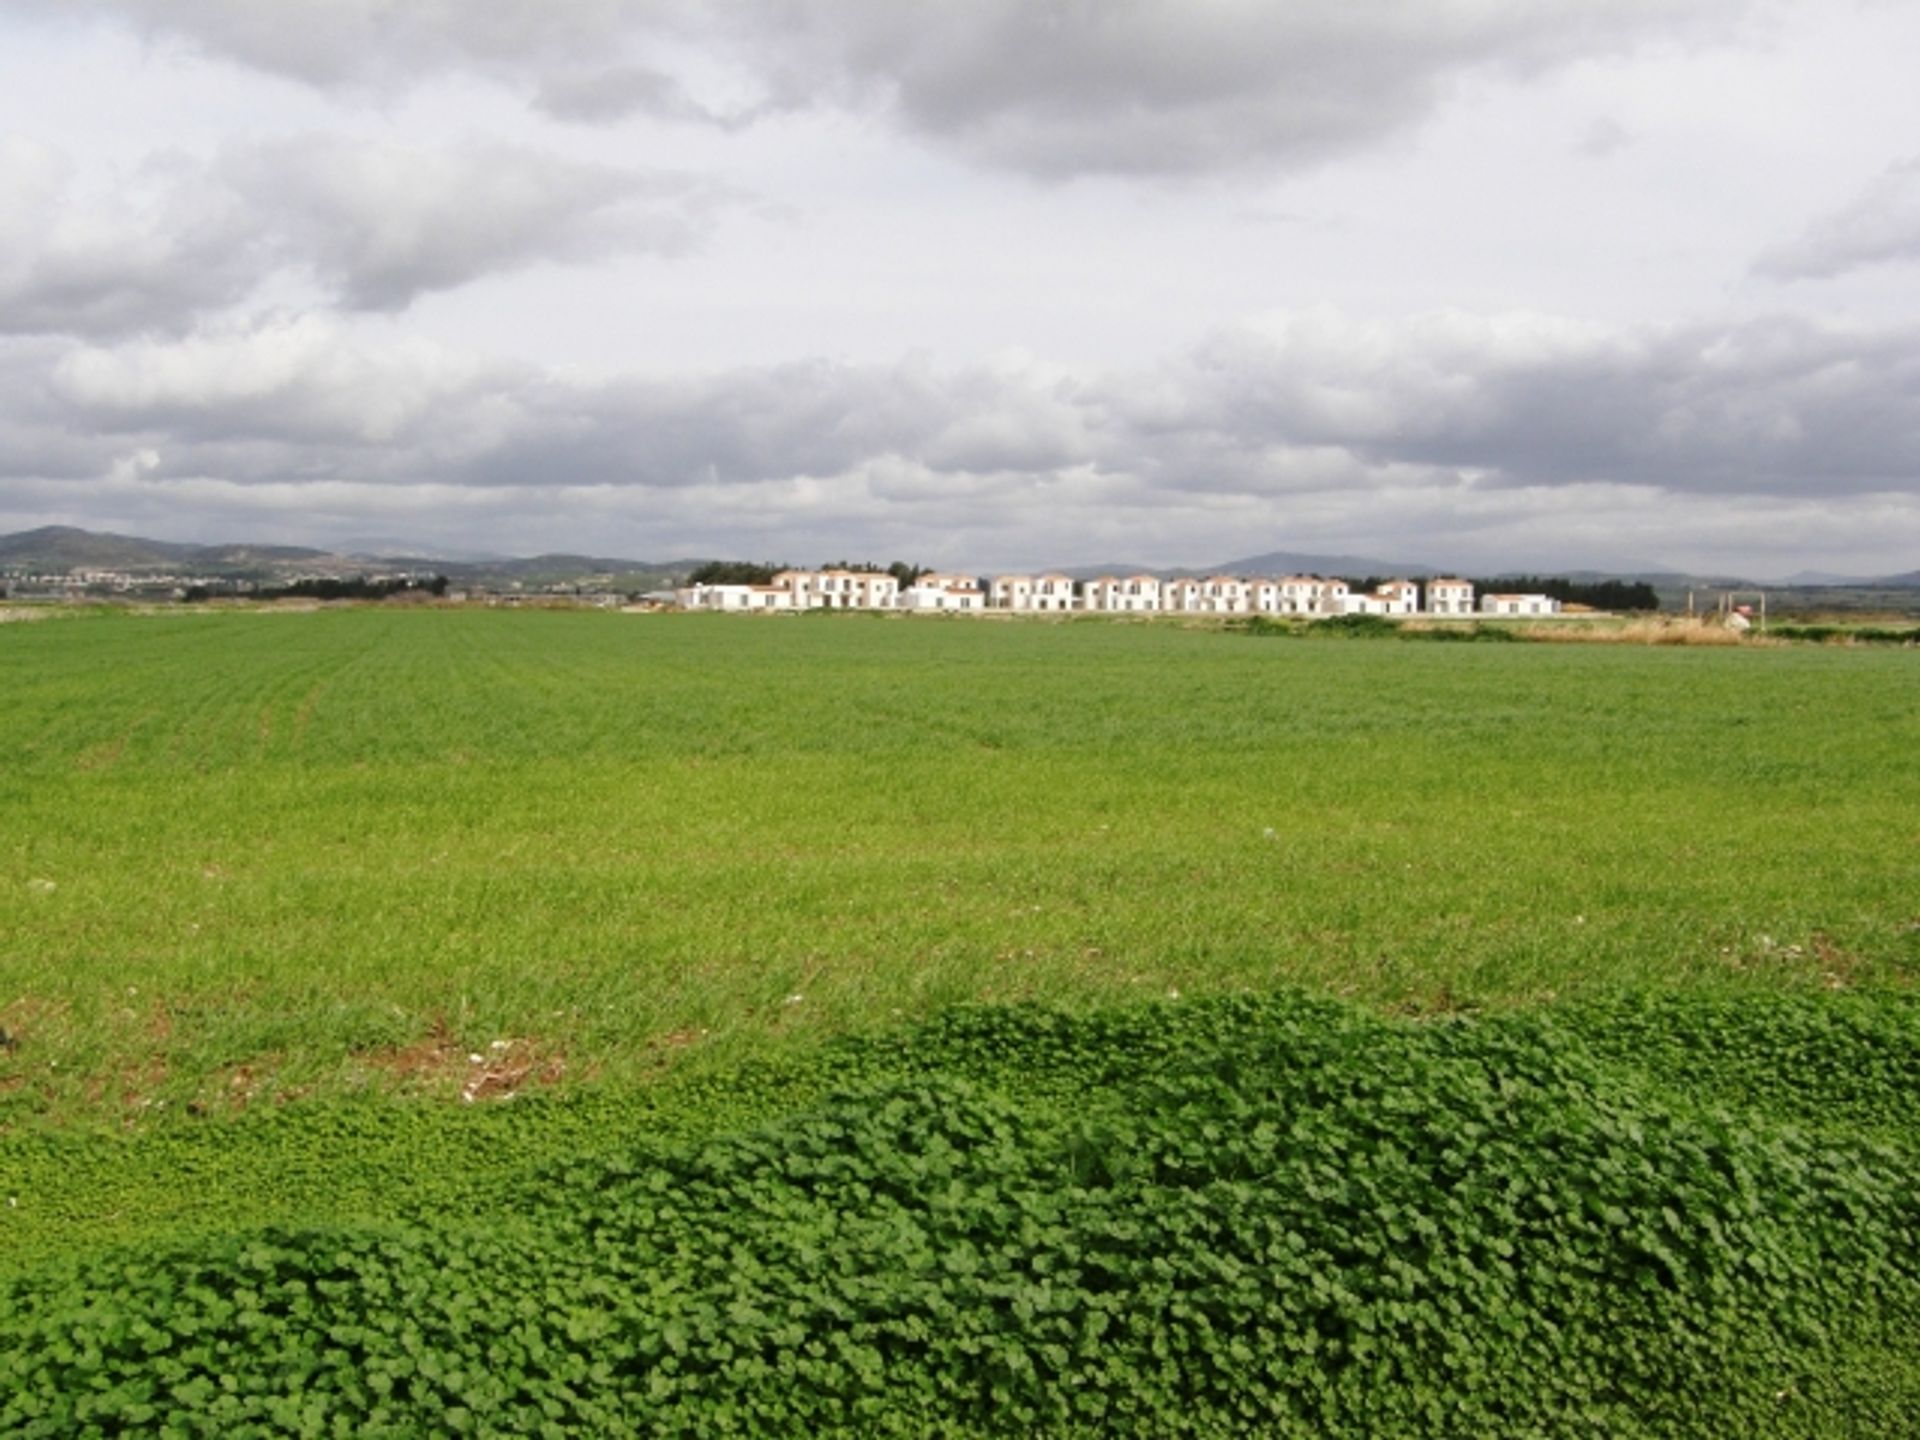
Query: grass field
{"points": [[277, 890]]}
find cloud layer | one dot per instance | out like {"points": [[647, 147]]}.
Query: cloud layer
{"points": [[1880, 226], [370, 225], [1452, 421], [1053, 89]]}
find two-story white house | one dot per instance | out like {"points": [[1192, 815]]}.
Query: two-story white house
{"points": [[1038, 593], [840, 589], [1053, 592], [1011, 592], [1223, 595], [1449, 596], [1329, 598], [1284, 595], [1181, 594], [1132, 593], [1398, 597]]}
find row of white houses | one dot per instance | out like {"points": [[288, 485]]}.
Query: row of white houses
{"points": [[1058, 594]]}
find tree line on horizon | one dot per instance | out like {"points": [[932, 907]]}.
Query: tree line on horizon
{"points": [[749, 572], [357, 587]]}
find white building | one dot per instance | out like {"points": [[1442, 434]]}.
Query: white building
{"points": [[1353, 602], [1134, 593], [1182, 594], [1207, 595], [944, 592], [1223, 595], [1398, 597], [1011, 592], [1286, 595], [736, 597], [1053, 592], [1049, 593], [1328, 597], [1518, 605], [840, 589], [1449, 597]]}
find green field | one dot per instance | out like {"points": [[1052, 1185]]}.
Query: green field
{"points": [[279, 891]]}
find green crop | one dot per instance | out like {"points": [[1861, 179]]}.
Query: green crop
{"points": [[248, 857], [579, 1023]]}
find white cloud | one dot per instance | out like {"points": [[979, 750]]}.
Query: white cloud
{"points": [[1053, 89], [380, 224], [373, 225], [300, 380], [157, 247], [377, 42], [1881, 226]]}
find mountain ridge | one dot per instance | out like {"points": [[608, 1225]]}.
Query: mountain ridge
{"points": [[64, 548]]}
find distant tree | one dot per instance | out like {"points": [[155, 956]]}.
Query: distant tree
{"points": [[906, 574], [438, 585], [733, 572], [1599, 594]]}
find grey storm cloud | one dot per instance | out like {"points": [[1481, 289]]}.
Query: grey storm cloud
{"points": [[1314, 404], [1044, 87], [777, 423], [1880, 226], [333, 42], [373, 225], [163, 246], [599, 94], [1777, 405], [380, 224], [1055, 89]]}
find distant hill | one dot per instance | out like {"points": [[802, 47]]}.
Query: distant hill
{"points": [[1275, 562], [64, 548], [1822, 577], [532, 571], [60, 549], [1288, 562]]}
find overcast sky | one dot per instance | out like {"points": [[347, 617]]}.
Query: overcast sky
{"points": [[990, 283]]}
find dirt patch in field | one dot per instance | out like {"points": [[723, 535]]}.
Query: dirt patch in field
{"points": [[507, 1067], [134, 1085], [28, 1017], [1838, 968], [435, 1055], [438, 1063]]}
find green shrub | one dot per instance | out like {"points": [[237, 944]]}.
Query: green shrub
{"points": [[1354, 627], [1263, 1216], [1471, 634], [1268, 625]]}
